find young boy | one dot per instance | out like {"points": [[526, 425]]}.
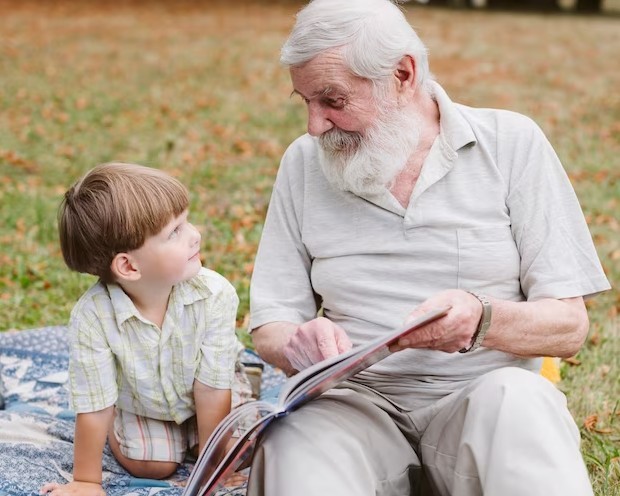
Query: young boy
{"points": [[154, 355]]}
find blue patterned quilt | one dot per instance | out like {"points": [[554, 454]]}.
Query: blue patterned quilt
{"points": [[36, 426]]}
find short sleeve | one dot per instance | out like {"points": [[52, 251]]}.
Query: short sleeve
{"points": [[220, 347], [281, 288], [92, 369], [558, 258]]}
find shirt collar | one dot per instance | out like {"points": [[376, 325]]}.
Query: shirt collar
{"points": [[184, 293], [455, 131], [123, 307], [192, 290]]}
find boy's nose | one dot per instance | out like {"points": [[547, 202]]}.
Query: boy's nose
{"points": [[195, 235]]}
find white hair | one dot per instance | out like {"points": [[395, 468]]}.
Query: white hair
{"points": [[373, 36]]}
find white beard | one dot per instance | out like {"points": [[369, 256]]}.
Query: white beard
{"points": [[368, 164]]}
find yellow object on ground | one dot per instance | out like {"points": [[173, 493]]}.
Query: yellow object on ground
{"points": [[551, 369]]}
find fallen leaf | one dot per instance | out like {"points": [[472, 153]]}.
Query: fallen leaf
{"points": [[572, 361], [590, 421], [603, 431]]}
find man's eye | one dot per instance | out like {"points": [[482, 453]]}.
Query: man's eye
{"points": [[336, 103]]}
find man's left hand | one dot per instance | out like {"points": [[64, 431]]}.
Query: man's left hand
{"points": [[450, 333]]}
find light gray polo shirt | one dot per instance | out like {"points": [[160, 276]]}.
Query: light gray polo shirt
{"points": [[492, 211]]}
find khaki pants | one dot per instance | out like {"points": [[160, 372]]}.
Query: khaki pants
{"points": [[507, 433]]}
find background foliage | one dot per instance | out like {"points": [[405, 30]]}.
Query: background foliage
{"points": [[195, 88]]}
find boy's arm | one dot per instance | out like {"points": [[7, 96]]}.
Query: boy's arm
{"points": [[91, 430], [212, 405]]}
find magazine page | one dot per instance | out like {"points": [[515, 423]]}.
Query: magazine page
{"points": [[348, 364], [218, 451], [216, 465], [218, 460]]}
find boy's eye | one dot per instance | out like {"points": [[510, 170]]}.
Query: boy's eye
{"points": [[176, 231]]}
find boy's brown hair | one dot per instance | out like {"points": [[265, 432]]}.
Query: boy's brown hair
{"points": [[112, 210]]}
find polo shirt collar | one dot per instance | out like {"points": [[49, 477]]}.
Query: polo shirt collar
{"points": [[455, 130]]}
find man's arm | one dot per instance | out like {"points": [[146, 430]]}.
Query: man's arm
{"points": [[212, 405], [270, 340], [294, 347], [91, 430], [547, 327]]}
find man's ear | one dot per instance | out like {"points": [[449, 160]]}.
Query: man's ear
{"points": [[405, 73], [125, 268]]}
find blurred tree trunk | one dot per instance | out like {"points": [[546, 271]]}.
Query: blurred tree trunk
{"points": [[589, 5]]}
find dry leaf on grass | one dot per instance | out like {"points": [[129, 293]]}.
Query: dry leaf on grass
{"points": [[572, 361], [590, 421]]}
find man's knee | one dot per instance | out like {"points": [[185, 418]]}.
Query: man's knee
{"points": [[513, 384], [521, 397]]}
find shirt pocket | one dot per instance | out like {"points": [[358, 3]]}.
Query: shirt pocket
{"points": [[488, 260], [331, 234]]}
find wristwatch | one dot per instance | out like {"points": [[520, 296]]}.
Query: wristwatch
{"points": [[483, 326]]}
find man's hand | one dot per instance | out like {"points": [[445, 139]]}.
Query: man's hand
{"points": [[76, 488], [449, 333], [315, 341]]}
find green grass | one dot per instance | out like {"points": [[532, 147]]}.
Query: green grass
{"points": [[196, 89]]}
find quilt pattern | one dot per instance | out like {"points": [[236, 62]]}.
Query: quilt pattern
{"points": [[37, 427]]}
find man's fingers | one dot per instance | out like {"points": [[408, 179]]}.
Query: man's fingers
{"points": [[417, 312], [315, 341], [326, 343], [343, 343]]}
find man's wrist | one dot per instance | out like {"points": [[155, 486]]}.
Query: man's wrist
{"points": [[483, 325]]}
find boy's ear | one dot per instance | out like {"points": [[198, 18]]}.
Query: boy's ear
{"points": [[124, 268]]}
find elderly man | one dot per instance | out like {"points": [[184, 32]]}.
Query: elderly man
{"points": [[398, 201]]}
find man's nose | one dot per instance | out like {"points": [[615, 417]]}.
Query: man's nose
{"points": [[318, 121]]}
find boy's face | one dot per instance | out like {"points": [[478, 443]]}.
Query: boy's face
{"points": [[172, 255]]}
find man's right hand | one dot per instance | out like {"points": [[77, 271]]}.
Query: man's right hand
{"points": [[75, 488], [315, 341]]}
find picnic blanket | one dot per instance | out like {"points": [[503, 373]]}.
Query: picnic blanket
{"points": [[37, 426]]}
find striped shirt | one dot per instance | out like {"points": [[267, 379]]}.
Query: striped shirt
{"points": [[119, 357]]}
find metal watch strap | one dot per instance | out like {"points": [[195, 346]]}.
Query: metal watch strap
{"points": [[483, 326]]}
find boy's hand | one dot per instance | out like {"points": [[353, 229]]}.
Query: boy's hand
{"points": [[76, 488]]}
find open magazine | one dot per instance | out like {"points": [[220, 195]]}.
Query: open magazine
{"points": [[218, 460]]}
